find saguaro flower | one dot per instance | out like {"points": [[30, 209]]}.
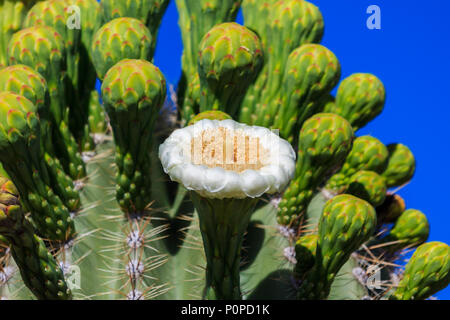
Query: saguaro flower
{"points": [[227, 166]]}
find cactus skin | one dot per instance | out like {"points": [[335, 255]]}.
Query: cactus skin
{"points": [[12, 15], [410, 230], [40, 272], [90, 22], [55, 14], [368, 153], [223, 223], [211, 115], [23, 159], [391, 209], [360, 98], [149, 12], [346, 223], [324, 142], [305, 253], [133, 93], [42, 48], [196, 18], [427, 272], [121, 38], [311, 71], [369, 186], [26, 82], [283, 27], [401, 165], [230, 57]]}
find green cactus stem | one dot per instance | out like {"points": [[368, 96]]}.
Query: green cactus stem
{"points": [[401, 165], [311, 71], [427, 272], [369, 186], [230, 57], [410, 230], [360, 98], [288, 25], [133, 93], [223, 223], [305, 254], [121, 38], [58, 15], [42, 48], [12, 15], [324, 142], [90, 21], [196, 18], [368, 153], [346, 223], [149, 12], [39, 270], [24, 161], [26, 82], [55, 14]]}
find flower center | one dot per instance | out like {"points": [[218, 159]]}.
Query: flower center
{"points": [[227, 149]]}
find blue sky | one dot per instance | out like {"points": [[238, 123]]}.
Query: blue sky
{"points": [[410, 54]]}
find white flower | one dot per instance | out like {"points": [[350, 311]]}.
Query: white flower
{"points": [[227, 159]]}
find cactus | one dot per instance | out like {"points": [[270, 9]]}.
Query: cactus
{"points": [[196, 18], [426, 273], [12, 15], [149, 12], [346, 223], [42, 48], [360, 98], [133, 92], [141, 200], [230, 55], [369, 186], [411, 229], [401, 165], [368, 153], [324, 142], [121, 38], [39, 270]]}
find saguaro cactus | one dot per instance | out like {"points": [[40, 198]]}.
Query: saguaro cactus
{"points": [[258, 188]]}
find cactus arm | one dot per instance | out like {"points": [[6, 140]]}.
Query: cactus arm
{"points": [[196, 18], [133, 93], [311, 71], [230, 56], [427, 272], [12, 15], [324, 142], [223, 223], [401, 165], [290, 24], [47, 58], [368, 153], [30, 174], [360, 98], [38, 268], [121, 38], [346, 223], [149, 12], [369, 186]]}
